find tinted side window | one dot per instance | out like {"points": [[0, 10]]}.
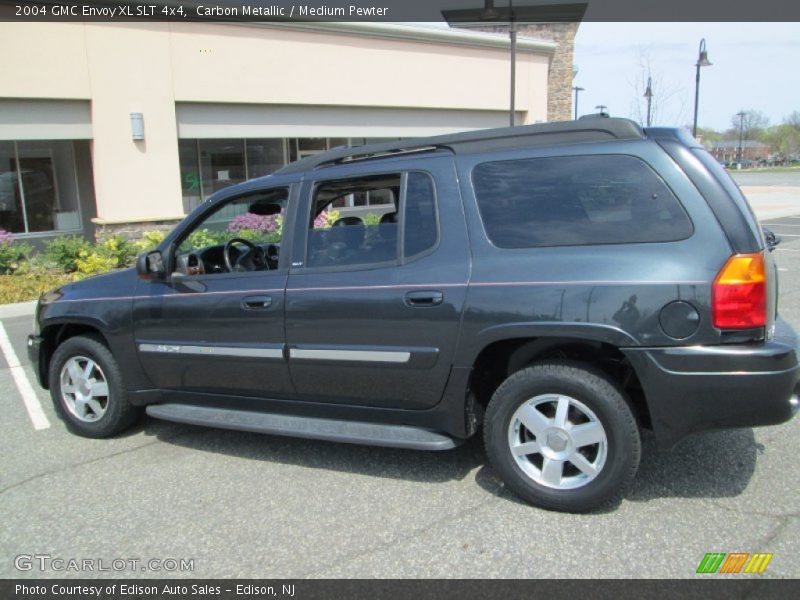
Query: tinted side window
{"points": [[421, 230], [346, 232], [576, 200]]}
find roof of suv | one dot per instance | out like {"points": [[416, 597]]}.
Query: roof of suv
{"points": [[587, 129]]}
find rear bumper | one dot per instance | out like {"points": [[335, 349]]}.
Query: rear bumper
{"points": [[697, 388]]}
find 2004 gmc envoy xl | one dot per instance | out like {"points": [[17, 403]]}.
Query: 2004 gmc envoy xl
{"points": [[557, 286]]}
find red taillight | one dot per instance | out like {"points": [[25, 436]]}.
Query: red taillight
{"points": [[739, 293]]}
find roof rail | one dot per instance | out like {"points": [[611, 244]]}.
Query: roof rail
{"points": [[562, 132]]}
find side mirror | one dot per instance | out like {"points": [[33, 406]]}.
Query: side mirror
{"points": [[772, 239], [150, 265]]}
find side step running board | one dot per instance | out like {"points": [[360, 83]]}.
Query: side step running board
{"points": [[352, 432]]}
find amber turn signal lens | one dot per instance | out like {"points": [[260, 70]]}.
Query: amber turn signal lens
{"points": [[739, 293]]}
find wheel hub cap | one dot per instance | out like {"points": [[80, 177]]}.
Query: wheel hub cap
{"points": [[557, 441], [84, 388]]}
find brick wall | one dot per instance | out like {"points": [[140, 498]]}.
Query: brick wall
{"points": [[559, 82]]}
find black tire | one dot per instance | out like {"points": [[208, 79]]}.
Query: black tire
{"points": [[594, 390], [119, 413]]}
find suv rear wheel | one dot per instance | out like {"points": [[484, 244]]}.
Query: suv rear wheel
{"points": [[562, 436], [87, 390]]}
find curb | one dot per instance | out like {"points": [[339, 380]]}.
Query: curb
{"points": [[21, 309]]}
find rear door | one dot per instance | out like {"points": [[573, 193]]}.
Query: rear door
{"points": [[375, 292]]}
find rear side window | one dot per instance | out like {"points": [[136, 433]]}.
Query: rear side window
{"points": [[421, 231], [576, 200]]}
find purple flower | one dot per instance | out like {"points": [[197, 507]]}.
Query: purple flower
{"points": [[6, 237], [321, 222], [265, 224]]}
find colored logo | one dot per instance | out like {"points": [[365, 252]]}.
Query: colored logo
{"points": [[733, 563]]}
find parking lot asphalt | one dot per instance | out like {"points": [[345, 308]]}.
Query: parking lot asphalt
{"points": [[248, 505]]}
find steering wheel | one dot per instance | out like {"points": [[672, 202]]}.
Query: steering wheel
{"points": [[254, 256]]}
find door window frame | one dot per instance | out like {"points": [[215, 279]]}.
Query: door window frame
{"points": [[171, 254], [306, 205]]}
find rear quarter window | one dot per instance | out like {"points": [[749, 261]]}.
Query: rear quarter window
{"points": [[576, 200]]}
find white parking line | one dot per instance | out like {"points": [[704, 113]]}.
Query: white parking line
{"points": [[787, 250], [32, 405]]}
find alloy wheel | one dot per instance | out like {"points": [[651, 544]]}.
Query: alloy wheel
{"points": [[557, 441], [84, 388]]}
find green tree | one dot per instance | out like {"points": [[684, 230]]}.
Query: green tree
{"points": [[751, 123]]}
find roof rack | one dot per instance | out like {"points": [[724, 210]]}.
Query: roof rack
{"points": [[590, 129]]}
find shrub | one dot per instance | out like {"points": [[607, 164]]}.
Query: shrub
{"points": [[94, 263], [118, 248], [372, 219], [257, 228], [260, 223], [12, 252], [202, 238], [29, 286], [150, 239], [64, 251], [326, 219]]}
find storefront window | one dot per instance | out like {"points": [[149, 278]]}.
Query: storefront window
{"points": [[264, 157], [190, 175], [208, 166], [221, 164], [38, 192]]}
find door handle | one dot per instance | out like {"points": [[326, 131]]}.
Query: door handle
{"points": [[256, 302], [424, 298]]}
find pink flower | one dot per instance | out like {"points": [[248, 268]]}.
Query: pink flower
{"points": [[249, 221], [6, 237]]}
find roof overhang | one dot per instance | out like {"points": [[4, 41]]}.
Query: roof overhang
{"points": [[434, 35]]}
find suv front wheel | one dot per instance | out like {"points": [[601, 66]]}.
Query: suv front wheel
{"points": [[87, 389], [562, 436]]}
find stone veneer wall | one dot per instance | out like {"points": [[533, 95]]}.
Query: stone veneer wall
{"points": [[133, 231], [559, 81]]}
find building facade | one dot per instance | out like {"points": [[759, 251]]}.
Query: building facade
{"points": [[727, 151], [125, 127]]}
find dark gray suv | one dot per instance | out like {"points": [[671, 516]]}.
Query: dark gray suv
{"points": [[559, 287]]}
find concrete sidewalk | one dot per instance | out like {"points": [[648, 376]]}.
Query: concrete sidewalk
{"points": [[772, 202], [20, 309]]}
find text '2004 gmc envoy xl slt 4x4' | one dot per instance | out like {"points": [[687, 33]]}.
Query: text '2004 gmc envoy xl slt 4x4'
{"points": [[558, 287]]}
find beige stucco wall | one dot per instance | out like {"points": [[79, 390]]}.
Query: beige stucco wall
{"points": [[127, 67]]}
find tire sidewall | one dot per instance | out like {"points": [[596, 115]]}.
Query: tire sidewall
{"points": [[602, 398], [117, 410]]}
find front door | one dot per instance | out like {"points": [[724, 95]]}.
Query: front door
{"points": [[374, 300], [215, 325]]}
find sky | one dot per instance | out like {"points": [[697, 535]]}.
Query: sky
{"points": [[756, 66]]}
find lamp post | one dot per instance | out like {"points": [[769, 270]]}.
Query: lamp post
{"points": [[551, 12], [576, 89], [741, 114], [702, 61], [648, 93]]}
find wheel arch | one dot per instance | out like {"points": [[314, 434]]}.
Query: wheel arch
{"points": [[55, 333], [595, 345]]}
